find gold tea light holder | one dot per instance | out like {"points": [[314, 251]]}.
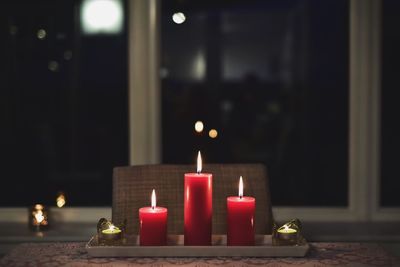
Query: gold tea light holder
{"points": [[38, 218], [110, 234], [289, 234]]}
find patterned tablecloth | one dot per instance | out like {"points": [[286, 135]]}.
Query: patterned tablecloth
{"points": [[321, 254]]}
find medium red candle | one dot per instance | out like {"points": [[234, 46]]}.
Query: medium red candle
{"points": [[240, 213], [198, 207], [153, 224]]}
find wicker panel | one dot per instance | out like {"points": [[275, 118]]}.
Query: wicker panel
{"points": [[132, 188]]}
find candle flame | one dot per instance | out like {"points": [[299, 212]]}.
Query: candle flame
{"points": [[39, 216], [286, 227], [241, 187], [111, 227], [153, 199], [199, 163]]}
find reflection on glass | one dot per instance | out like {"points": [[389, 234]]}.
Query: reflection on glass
{"points": [[178, 17], [41, 34], [101, 16], [213, 133], [65, 109], [272, 76], [199, 126]]}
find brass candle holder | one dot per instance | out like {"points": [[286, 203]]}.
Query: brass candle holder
{"points": [[38, 218], [108, 233], [289, 234]]}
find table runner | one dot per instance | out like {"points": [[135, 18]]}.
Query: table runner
{"points": [[321, 254]]}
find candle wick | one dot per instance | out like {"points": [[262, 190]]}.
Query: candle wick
{"points": [[198, 172], [240, 196]]}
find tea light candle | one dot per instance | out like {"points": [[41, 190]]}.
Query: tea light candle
{"points": [[112, 233], [240, 219], [153, 224], [286, 233], [198, 207], [38, 217]]}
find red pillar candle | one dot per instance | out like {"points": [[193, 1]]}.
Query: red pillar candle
{"points": [[240, 216], [198, 207], [153, 224]]}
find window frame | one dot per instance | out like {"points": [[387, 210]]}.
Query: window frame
{"points": [[364, 117]]}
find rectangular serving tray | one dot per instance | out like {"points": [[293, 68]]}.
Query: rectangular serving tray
{"points": [[175, 248]]}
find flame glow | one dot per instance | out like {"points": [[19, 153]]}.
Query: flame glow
{"points": [[241, 187], [199, 163], [153, 199], [39, 216], [38, 207]]}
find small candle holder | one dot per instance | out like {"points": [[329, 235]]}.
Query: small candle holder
{"points": [[109, 234], [38, 218], [288, 234]]}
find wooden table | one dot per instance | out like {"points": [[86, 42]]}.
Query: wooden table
{"points": [[321, 254]]}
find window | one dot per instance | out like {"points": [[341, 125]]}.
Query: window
{"points": [[269, 82], [390, 144], [283, 65], [64, 100]]}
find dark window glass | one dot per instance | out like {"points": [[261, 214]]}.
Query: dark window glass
{"points": [[271, 77], [64, 103], [390, 145]]}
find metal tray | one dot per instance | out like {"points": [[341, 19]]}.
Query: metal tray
{"points": [[175, 248]]}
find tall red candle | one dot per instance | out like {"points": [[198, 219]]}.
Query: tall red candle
{"points": [[198, 207], [153, 224], [240, 219]]}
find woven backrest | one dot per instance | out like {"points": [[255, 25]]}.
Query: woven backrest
{"points": [[132, 188]]}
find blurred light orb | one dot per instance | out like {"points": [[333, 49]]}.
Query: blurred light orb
{"points": [[53, 66], [178, 17], [101, 16], [213, 133], [199, 126], [60, 200], [13, 30], [41, 34], [67, 54]]}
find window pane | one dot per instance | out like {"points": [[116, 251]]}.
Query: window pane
{"points": [[390, 146], [64, 99], [271, 77]]}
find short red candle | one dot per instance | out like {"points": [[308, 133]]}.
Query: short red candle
{"points": [[198, 207], [153, 225], [240, 220]]}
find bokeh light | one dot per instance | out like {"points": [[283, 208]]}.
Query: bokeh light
{"points": [[102, 16], [178, 17], [213, 133], [199, 126], [41, 34]]}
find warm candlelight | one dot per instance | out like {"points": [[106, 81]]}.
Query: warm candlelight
{"points": [[198, 207], [60, 200], [285, 232], [112, 233], [153, 199], [153, 224], [240, 187], [199, 163], [38, 218], [240, 219], [288, 234]]}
